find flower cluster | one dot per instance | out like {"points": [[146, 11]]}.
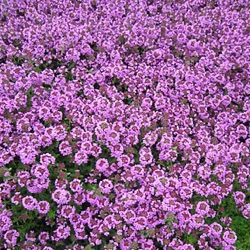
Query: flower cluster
{"points": [[123, 124]]}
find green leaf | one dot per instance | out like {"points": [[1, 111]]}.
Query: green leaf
{"points": [[52, 214], [71, 65], [30, 94]]}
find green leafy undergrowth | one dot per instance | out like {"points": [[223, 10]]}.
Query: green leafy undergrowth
{"points": [[240, 225]]}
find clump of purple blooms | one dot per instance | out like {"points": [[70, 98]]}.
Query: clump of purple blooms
{"points": [[123, 124]]}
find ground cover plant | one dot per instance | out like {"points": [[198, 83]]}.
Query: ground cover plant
{"points": [[124, 124]]}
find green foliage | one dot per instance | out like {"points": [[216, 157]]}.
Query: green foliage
{"points": [[190, 239], [25, 221], [30, 94], [240, 225], [166, 164], [18, 60], [169, 220], [128, 100], [69, 76], [52, 214]]}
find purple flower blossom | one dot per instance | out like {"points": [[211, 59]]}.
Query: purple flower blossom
{"points": [[75, 185], [102, 165], [43, 207], [65, 148], [216, 228], [61, 232], [80, 158], [79, 198], [29, 202], [106, 186], [202, 208], [146, 156], [230, 237], [61, 196], [43, 237], [5, 221], [67, 211], [11, 237]]}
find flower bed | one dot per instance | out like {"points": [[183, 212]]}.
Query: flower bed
{"points": [[124, 124]]}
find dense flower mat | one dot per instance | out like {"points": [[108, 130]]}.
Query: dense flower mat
{"points": [[124, 124]]}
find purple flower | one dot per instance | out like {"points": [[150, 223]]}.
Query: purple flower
{"points": [[75, 185], [80, 158], [11, 237], [29, 202], [43, 207], [43, 237], [102, 164], [216, 229], [5, 221], [61, 183], [246, 211], [239, 197], [62, 232], [79, 198], [230, 237], [123, 161], [146, 156], [67, 211], [202, 208], [106, 186], [61, 196], [47, 159], [65, 148], [40, 171]]}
